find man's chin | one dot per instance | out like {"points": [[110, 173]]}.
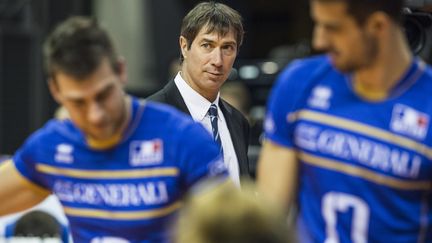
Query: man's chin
{"points": [[100, 136], [342, 67]]}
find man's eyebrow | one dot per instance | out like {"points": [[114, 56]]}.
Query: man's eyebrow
{"points": [[213, 41], [230, 43], [104, 90], [207, 40]]}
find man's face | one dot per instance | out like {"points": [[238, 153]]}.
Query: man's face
{"points": [[350, 46], [96, 103], [208, 62]]}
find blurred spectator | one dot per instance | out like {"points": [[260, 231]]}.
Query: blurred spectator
{"points": [[231, 216], [237, 95]]}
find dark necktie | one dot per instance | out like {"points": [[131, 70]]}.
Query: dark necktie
{"points": [[213, 113]]}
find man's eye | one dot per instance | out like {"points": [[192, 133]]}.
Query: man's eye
{"points": [[229, 49], [103, 96]]}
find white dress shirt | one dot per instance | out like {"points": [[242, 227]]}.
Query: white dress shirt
{"points": [[198, 107]]}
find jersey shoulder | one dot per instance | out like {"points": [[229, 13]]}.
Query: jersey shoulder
{"points": [[427, 78], [52, 130], [302, 73]]}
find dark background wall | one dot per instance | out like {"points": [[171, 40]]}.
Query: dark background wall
{"points": [[25, 103], [268, 24], [276, 31]]}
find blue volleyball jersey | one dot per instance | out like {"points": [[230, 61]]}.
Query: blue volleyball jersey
{"points": [[365, 166], [127, 193]]}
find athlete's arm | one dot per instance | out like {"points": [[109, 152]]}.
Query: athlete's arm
{"points": [[17, 194], [277, 174]]}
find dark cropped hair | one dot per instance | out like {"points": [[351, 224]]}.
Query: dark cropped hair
{"points": [[77, 46], [362, 9], [215, 17]]}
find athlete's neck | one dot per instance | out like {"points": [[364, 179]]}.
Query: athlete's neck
{"points": [[117, 136], [127, 114], [376, 80]]}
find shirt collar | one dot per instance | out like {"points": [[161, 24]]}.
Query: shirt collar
{"points": [[197, 105]]}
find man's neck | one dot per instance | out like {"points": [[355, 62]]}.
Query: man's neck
{"points": [[118, 135], [127, 115], [375, 81]]}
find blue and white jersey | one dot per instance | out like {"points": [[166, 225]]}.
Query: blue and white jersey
{"points": [[365, 166], [130, 192]]}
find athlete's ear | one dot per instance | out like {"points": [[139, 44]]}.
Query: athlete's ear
{"points": [[121, 70], [54, 89], [378, 23]]}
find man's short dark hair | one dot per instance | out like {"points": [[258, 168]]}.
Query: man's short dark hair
{"points": [[77, 47], [216, 17], [362, 9]]}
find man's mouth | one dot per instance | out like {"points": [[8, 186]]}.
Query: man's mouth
{"points": [[215, 73]]}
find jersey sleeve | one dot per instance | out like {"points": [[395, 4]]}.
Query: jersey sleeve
{"points": [[200, 157], [25, 161], [283, 100]]}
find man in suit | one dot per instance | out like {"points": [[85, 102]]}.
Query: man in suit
{"points": [[211, 35]]}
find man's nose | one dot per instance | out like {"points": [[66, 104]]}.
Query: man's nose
{"points": [[217, 57], [320, 40], [95, 113]]}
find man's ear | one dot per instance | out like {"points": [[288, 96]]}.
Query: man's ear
{"points": [[183, 46], [122, 71], [54, 90], [378, 23]]}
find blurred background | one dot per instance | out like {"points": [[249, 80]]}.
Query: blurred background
{"points": [[146, 33]]}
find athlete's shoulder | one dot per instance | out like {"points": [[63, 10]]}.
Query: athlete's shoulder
{"points": [[310, 62], [49, 130], [299, 73], [424, 84], [45, 137], [304, 68], [299, 76], [428, 73]]}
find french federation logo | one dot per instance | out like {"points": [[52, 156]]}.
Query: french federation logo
{"points": [[408, 121], [148, 152]]}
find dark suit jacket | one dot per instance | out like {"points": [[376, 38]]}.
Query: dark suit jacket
{"points": [[237, 124]]}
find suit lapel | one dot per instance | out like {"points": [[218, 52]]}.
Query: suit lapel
{"points": [[174, 98]]}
